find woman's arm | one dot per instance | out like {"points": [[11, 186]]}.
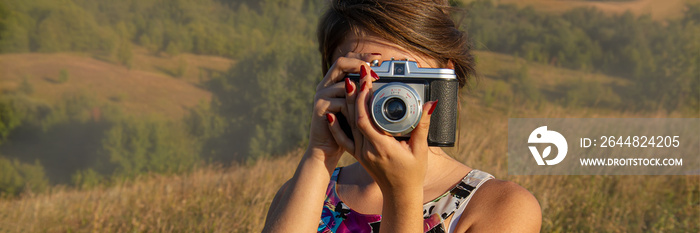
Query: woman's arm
{"points": [[402, 211], [298, 204]]}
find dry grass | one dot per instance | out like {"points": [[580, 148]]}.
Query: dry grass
{"points": [[196, 66], [210, 199], [236, 199], [658, 9]]}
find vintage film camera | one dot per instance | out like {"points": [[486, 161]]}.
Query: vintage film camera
{"points": [[400, 93]]}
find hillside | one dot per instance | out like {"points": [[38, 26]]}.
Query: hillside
{"points": [[658, 9], [152, 85], [160, 85], [490, 64]]}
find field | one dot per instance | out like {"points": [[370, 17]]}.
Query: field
{"points": [[236, 198], [187, 116], [161, 85], [658, 9]]}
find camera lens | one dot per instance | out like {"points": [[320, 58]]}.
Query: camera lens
{"points": [[394, 109]]}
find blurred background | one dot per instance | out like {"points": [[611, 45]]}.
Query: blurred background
{"points": [[187, 115]]}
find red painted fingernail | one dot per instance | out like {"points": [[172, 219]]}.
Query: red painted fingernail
{"points": [[364, 84], [376, 54], [348, 86], [330, 118], [363, 71], [433, 107], [374, 75]]}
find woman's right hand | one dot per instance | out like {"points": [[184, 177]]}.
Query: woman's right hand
{"points": [[330, 98]]}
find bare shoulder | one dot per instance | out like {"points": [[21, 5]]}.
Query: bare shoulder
{"points": [[502, 206]]}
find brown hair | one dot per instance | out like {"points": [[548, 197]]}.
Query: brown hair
{"points": [[421, 26]]}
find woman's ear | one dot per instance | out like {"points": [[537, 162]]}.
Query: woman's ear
{"points": [[450, 64]]}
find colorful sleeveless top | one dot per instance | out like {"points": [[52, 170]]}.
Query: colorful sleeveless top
{"points": [[339, 218]]}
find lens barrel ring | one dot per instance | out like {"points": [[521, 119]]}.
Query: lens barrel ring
{"points": [[391, 94]]}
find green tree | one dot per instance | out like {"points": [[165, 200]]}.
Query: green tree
{"points": [[87, 178], [266, 97], [137, 146], [9, 118], [25, 87], [124, 54]]}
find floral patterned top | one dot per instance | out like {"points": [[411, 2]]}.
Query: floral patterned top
{"points": [[339, 218]]}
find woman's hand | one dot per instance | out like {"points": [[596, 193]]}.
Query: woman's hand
{"points": [[331, 98]]}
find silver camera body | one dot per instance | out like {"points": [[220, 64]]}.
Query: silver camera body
{"points": [[401, 91]]}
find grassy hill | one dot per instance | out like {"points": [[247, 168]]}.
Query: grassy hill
{"points": [[159, 85], [235, 199], [658, 9]]}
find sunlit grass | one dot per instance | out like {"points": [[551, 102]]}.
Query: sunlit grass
{"points": [[211, 199]]}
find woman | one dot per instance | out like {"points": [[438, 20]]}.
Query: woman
{"points": [[402, 186]]}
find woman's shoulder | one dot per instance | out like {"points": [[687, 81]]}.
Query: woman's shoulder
{"points": [[502, 206]]}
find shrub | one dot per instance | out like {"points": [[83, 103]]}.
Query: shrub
{"points": [[63, 76], [17, 177], [25, 87]]}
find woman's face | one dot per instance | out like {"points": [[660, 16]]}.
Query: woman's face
{"points": [[366, 47]]}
